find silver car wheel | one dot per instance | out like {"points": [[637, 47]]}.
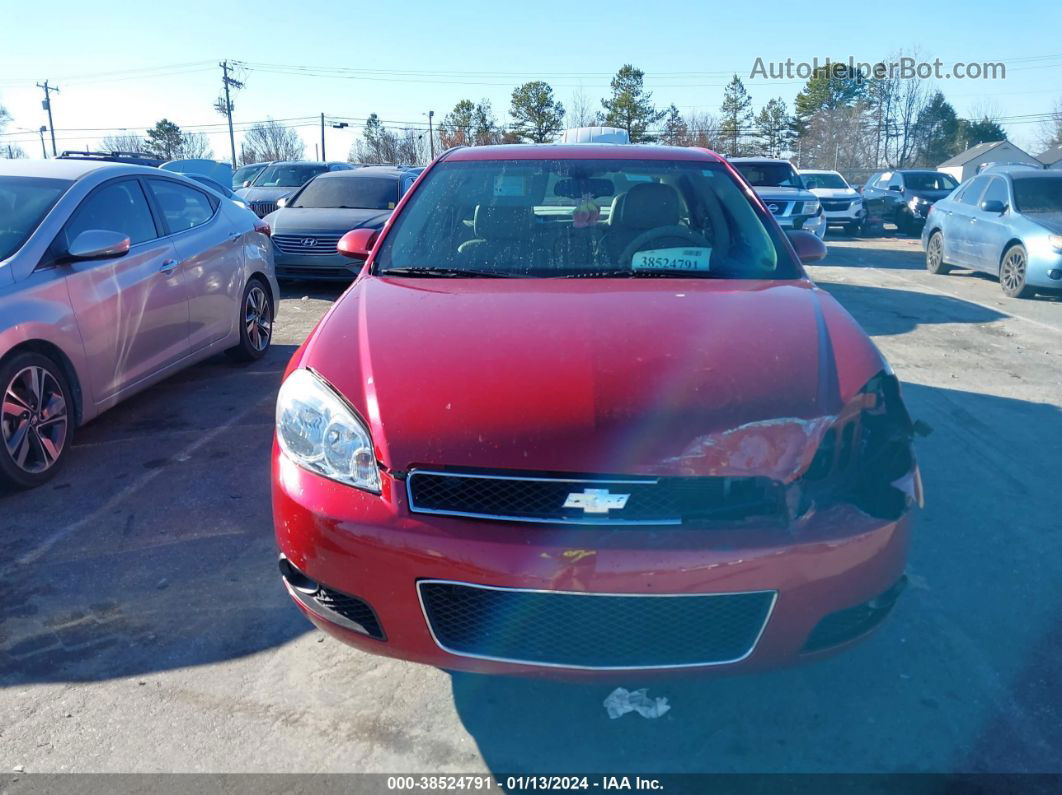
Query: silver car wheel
{"points": [[257, 318], [1012, 274], [34, 420], [935, 254]]}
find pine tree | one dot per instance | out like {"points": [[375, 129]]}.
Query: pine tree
{"points": [[537, 115], [736, 116], [631, 107]]}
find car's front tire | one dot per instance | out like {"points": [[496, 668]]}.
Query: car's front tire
{"points": [[1012, 272], [37, 420], [935, 254], [256, 322]]}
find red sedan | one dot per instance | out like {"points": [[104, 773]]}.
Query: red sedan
{"points": [[583, 412]]}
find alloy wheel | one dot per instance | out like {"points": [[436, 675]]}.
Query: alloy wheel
{"points": [[33, 420], [1012, 274], [257, 318], [935, 252]]}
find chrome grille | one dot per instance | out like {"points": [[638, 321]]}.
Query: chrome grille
{"points": [[778, 207], [594, 630], [323, 245], [263, 208], [836, 205], [592, 501]]}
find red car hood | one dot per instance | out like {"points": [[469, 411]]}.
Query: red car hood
{"points": [[653, 376]]}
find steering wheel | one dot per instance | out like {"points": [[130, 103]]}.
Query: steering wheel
{"points": [[680, 234]]}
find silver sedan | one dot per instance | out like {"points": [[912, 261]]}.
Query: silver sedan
{"points": [[113, 277]]}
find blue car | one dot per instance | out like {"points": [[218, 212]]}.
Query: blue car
{"points": [[1004, 221]]}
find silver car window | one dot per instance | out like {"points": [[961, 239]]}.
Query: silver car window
{"points": [[116, 207], [182, 207]]}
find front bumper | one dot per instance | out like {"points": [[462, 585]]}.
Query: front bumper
{"points": [[372, 549], [316, 267], [816, 224]]}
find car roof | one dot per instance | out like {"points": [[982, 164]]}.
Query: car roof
{"points": [[69, 168], [760, 160], [366, 171], [1023, 174], [304, 163], [816, 171], [580, 152]]}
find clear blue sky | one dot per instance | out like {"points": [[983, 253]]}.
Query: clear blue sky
{"points": [[478, 50]]}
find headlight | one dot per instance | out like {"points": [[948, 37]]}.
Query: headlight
{"points": [[857, 200], [810, 208], [1055, 241], [318, 431], [915, 201]]}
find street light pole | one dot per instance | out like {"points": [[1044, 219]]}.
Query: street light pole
{"points": [[44, 151], [323, 157], [431, 136]]}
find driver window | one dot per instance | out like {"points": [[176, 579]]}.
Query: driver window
{"points": [[117, 207]]}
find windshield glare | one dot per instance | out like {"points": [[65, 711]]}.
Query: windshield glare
{"points": [[247, 173], [355, 192], [830, 181], [584, 217], [287, 176], [1039, 195], [24, 201], [924, 181], [770, 175]]}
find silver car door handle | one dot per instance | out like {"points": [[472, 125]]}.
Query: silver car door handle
{"points": [[168, 265]]}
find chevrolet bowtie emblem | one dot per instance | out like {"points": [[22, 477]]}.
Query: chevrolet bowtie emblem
{"points": [[596, 500]]}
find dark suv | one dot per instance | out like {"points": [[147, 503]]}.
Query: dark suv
{"points": [[903, 196]]}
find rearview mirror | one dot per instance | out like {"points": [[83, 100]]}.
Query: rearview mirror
{"points": [[993, 206], [808, 247], [98, 244], [357, 243]]}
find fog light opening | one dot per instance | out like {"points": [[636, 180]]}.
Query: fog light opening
{"points": [[296, 579]]}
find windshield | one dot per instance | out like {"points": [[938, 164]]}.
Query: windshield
{"points": [[770, 175], [24, 201], [1040, 195], [617, 218], [355, 192], [829, 181], [246, 174], [929, 181], [288, 176]]}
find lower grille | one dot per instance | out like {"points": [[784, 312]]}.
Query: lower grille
{"points": [[262, 209], [597, 631], [324, 245], [339, 608], [836, 205], [599, 500]]}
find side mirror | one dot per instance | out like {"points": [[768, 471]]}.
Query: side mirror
{"points": [[357, 243], [282, 201], [247, 183], [896, 188], [808, 247], [993, 206], [98, 244]]}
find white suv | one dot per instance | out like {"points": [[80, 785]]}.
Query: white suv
{"points": [[841, 203]]}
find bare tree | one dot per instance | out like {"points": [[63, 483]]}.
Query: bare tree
{"points": [[270, 140], [123, 142], [12, 152], [580, 110], [702, 129], [196, 146], [1051, 129]]}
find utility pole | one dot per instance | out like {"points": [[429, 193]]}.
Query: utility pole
{"points": [[48, 107], [431, 136], [323, 158], [44, 152], [229, 81]]}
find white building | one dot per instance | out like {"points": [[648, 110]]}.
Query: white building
{"points": [[1052, 158], [967, 163]]}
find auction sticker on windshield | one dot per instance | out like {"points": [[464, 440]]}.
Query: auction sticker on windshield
{"points": [[682, 259]]}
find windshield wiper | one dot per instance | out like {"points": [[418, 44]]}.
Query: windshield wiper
{"points": [[443, 273]]}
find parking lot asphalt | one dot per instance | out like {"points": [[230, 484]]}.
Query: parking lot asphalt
{"points": [[143, 626]]}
